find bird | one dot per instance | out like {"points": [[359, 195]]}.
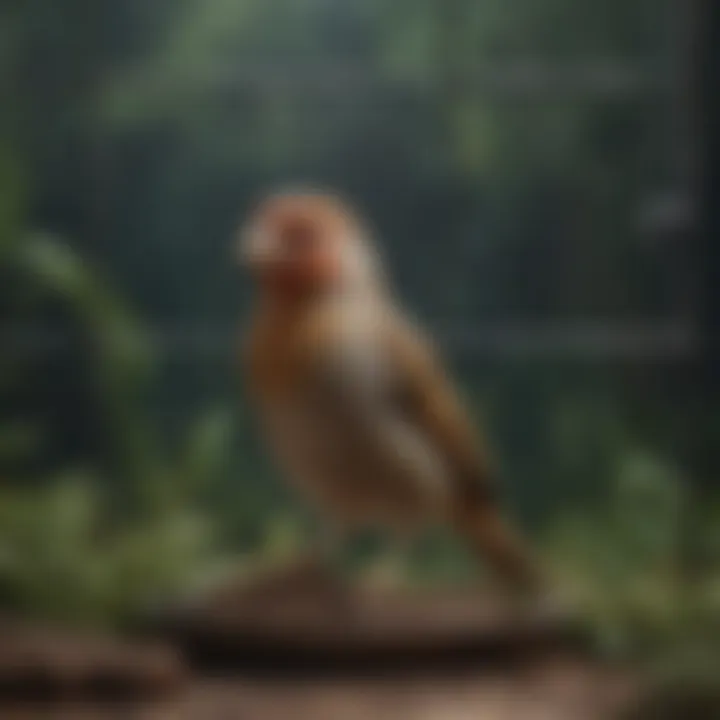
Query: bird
{"points": [[351, 394]]}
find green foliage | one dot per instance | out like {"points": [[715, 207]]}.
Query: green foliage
{"points": [[621, 562], [61, 558], [66, 549], [121, 355], [206, 447]]}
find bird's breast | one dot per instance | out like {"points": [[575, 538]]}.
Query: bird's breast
{"points": [[383, 474], [322, 387]]}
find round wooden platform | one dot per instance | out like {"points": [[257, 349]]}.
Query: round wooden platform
{"points": [[306, 618], [435, 655]]}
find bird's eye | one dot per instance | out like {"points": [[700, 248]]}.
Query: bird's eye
{"points": [[299, 235]]}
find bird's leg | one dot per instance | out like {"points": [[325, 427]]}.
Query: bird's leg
{"points": [[328, 552], [505, 551], [392, 567], [328, 547]]}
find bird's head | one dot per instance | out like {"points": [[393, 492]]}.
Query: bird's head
{"points": [[307, 243]]}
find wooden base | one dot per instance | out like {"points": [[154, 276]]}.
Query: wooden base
{"points": [[305, 618], [41, 662]]}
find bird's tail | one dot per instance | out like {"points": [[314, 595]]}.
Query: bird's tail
{"points": [[491, 536]]}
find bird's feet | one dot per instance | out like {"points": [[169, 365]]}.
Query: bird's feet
{"points": [[321, 577], [386, 573]]}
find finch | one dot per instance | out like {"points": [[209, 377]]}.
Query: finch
{"points": [[351, 395]]}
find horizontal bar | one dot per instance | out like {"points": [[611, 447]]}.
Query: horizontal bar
{"points": [[582, 341], [529, 77]]}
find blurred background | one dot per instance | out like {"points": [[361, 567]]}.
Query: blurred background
{"points": [[538, 172]]}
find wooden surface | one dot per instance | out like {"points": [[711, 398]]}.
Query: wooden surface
{"points": [[557, 691], [298, 645], [306, 617], [45, 662]]}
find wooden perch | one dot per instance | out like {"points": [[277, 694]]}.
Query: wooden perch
{"points": [[303, 618]]}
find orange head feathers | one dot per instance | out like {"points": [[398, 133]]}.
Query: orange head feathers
{"points": [[300, 244]]}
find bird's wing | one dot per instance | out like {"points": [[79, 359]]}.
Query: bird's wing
{"points": [[422, 392], [392, 373]]}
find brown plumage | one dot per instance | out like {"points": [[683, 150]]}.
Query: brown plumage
{"points": [[353, 398]]}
